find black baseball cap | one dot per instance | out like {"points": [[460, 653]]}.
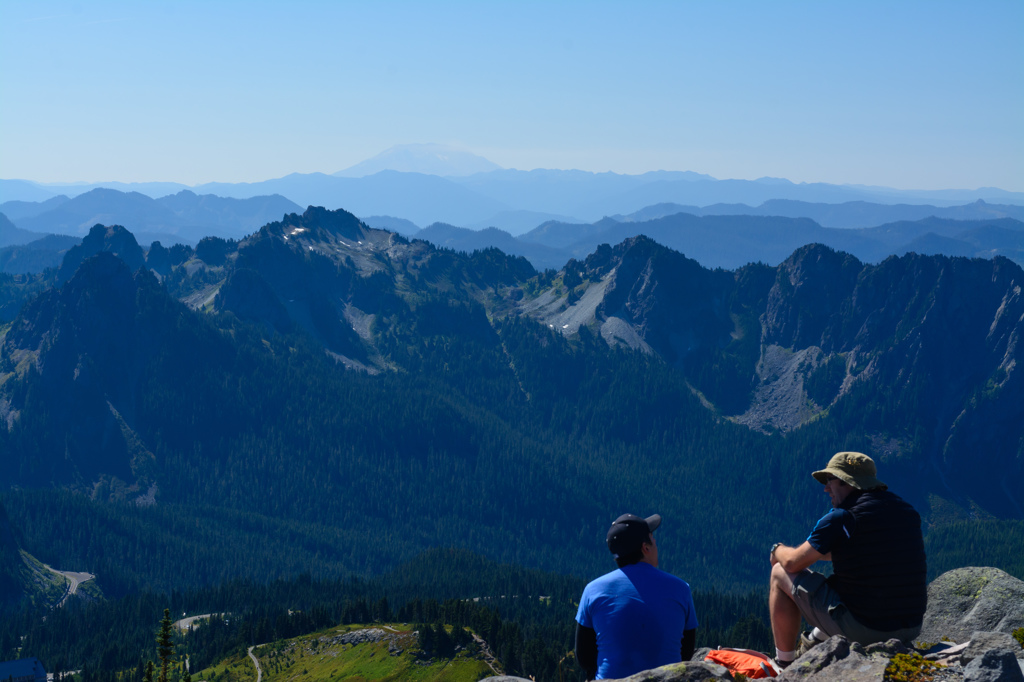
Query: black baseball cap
{"points": [[629, 532]]}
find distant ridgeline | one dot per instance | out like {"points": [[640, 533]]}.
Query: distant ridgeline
{"points": [[325, 398], [733, 238]]}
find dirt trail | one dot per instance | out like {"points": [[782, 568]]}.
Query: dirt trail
{"points": [[256, 662], [489, 658]]}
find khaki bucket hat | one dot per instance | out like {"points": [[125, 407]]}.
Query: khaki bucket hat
{"points": [[854, 468]]}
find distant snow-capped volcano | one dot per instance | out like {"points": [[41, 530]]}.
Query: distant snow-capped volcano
{"points": [[430, 159]]}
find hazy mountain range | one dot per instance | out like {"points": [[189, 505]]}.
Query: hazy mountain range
{"points": [[183, 217], [12, 234], [730, 241], [432, 183], [849, 214], [719, 235]]}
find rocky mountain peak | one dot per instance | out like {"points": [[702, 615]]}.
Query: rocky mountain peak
{"points": [[95, 301], [431, 159], [113, 239], [90, 340], [674, 304], [810, 288], [316, 222]]}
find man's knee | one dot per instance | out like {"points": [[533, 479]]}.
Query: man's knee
{"points": [[781, 580]]}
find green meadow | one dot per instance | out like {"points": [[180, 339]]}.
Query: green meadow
{"points": [[351, 653]]}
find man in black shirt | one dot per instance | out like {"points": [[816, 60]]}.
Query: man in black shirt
{"points": [[878, 588]]}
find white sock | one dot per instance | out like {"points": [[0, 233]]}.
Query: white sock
{"points": [[818, 635], [781, 655]]}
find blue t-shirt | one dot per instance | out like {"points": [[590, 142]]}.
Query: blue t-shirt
{"points": [[832, 530], [639, 614]]}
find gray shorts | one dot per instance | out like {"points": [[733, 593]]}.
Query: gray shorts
{"points": [[823, 608]]}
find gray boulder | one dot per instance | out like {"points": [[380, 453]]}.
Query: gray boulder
{"points": [[688, 671], [839, 660], [994, 665], [968, 600], [989, 641]]}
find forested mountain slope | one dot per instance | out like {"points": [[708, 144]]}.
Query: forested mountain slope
{"points": [[470, 401], [36, 256], [11, 234], [24, 581]]}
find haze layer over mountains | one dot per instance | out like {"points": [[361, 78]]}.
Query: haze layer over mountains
{"points": [[430, 183], [462, 201]]}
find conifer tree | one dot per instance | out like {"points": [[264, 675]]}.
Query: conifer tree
{"points": [[427, 640], [148, 677], [442, 641], [381, 611], [165, 646]]}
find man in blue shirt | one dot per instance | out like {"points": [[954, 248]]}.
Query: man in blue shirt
{"points": [[637, 617], [878, 587]]}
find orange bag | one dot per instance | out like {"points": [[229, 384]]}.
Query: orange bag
{"points": [[753, 664]]}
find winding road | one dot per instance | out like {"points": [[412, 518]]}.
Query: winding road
{"points": [[74, 580], [186, 623]]}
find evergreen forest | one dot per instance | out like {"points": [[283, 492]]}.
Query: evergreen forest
{"points": [[332, 420]]}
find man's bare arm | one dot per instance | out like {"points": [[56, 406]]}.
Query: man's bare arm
{"points": [[796, 559]]}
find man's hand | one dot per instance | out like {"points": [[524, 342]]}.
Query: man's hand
{"points": [[796, 559]]}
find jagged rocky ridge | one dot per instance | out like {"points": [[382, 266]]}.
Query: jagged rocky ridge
{"points": [[774, 348], [906, 317], [917, 356]]}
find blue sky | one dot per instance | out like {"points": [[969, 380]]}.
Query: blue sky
{"points": [[909, 94]]}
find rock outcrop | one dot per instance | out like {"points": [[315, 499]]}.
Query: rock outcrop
{"points": [[986, 599], [988, 658], [840, 659], [687, 671], [113, 239], [968, 600]]}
